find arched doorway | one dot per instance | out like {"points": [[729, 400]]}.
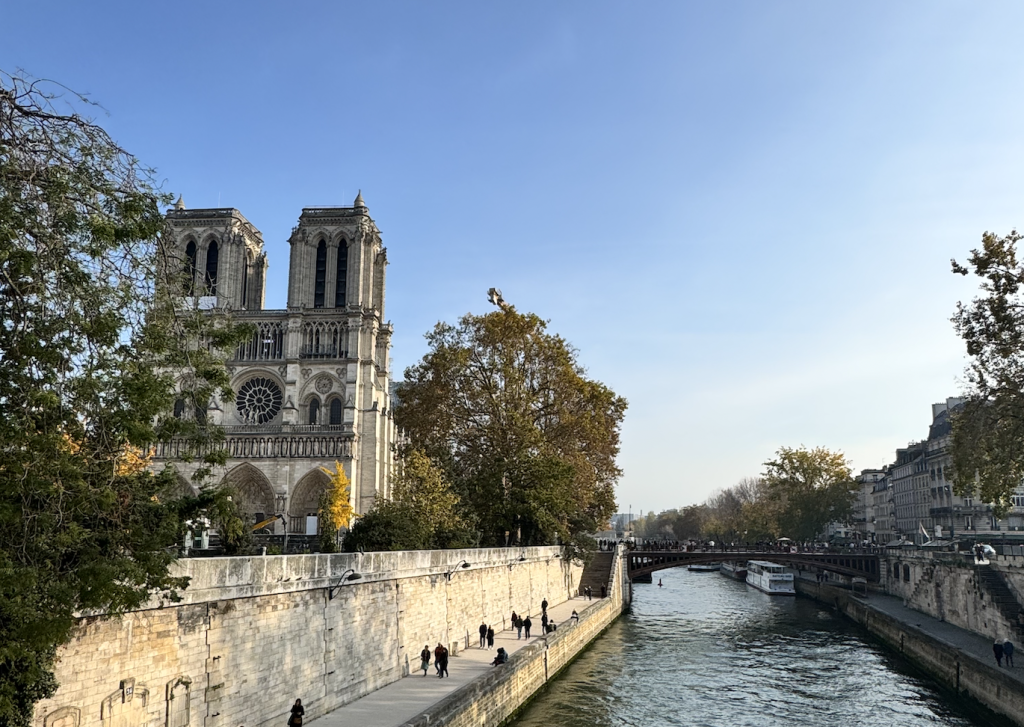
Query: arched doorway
{"points": [[305, 501], [254, 495]]}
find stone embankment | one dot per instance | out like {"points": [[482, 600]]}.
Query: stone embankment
{"points": [[253, 634]]}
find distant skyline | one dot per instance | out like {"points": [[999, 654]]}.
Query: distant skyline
{"points": [[741, 214]]}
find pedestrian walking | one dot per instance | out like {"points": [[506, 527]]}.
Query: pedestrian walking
{"points": [[444, 663], [997, 649], [1008, 653], [483, 635], [438, 650], [490, 637], [425, 659], [527, 623], [544, 622], [604, 591], [519, 627], [544, 605], [295, 720], [588, 592]]}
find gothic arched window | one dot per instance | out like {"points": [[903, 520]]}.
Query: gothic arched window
{"points": [[321, 274], [189, 283], [211, 268], [179, 408], [339, 289], [335, 412], [314, 411]]}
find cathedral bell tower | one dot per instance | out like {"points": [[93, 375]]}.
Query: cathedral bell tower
{"points": [[218, 257]]}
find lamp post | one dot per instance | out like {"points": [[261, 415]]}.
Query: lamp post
{"points": [[461, 564], [349, 575]]}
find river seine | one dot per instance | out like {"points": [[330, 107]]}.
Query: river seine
{"points": [[707, 650]]}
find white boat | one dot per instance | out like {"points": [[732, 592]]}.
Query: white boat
{"points": [[704, 567], [769, 577]]}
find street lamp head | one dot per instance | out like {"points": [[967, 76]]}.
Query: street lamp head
{"points": [[349, 575]]}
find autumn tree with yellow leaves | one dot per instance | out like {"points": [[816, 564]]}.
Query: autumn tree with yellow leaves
{"points": [[335, 511]]}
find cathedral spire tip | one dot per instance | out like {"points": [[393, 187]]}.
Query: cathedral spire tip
{"points": [[359, 199], [180, 204]]}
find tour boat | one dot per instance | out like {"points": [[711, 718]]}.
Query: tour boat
{"points": [[771, 578], [704, 567], [734, 570]]}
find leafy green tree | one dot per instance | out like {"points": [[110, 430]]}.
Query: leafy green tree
{"points": [[806, 490], [528, 442], [88, 341], [988, 431], [424, 513]]}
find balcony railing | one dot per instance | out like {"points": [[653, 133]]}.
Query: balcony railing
{"points": [[322, 351], [326, 445]]}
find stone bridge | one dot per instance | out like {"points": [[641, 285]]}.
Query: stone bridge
{"points": [[642, 563]]}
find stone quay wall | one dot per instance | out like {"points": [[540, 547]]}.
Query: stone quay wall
{"points": [[495, 698], [945, 586], [251, 635], [952, 667]]}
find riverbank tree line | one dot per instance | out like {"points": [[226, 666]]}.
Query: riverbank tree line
{"points": [[799, 493]]}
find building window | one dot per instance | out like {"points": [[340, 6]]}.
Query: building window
{"points": [[335, 412], [321, 275], [339, 288], [314, 411], [211, 268], [968, 522], [189, 283], [906, 573], [1017, 500], [179, 408]]}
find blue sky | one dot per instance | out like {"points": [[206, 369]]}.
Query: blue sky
{"points": [[741, 213]]}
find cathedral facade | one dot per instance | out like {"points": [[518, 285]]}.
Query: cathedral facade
{"points": [[312, 385]]}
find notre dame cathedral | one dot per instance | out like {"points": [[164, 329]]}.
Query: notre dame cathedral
{"points": [[312, 385]]}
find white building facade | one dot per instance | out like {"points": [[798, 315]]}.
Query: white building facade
{"points": [[312, 387]]}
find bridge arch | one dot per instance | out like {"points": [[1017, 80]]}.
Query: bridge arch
{"points": [[643, 563]]}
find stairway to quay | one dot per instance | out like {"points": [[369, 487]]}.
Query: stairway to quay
{"points": [[343, 633]]}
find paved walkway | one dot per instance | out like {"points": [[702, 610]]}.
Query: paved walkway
{"points": [[972, 644], [400, 701], [968, 642]]}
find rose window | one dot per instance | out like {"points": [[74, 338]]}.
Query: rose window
{"points": [[259, 400]]}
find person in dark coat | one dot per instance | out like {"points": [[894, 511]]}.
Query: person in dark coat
{"points": [[997, 649], [425, 659], [544, 605], [501, 658], [483, 634], [519, 627], [442, 661], [490, 637], [1008, 652], [295, 720], [438, 650], [527, 623], [544, 622]]}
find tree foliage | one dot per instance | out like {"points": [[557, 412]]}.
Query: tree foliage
{"points": [[806, 490], [87, 341], [528, 442], [988, 431], [424, 513], [335, 509]]}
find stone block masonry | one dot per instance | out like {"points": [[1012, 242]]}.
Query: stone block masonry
{"points": [[251, 635]]}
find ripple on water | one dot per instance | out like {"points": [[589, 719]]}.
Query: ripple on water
{"points": [[705, 650]]}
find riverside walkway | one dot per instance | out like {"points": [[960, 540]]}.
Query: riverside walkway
{"points": [[400, 701], [969, 643]]}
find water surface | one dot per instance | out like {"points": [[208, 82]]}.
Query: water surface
{"points": [[707, 650]]}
